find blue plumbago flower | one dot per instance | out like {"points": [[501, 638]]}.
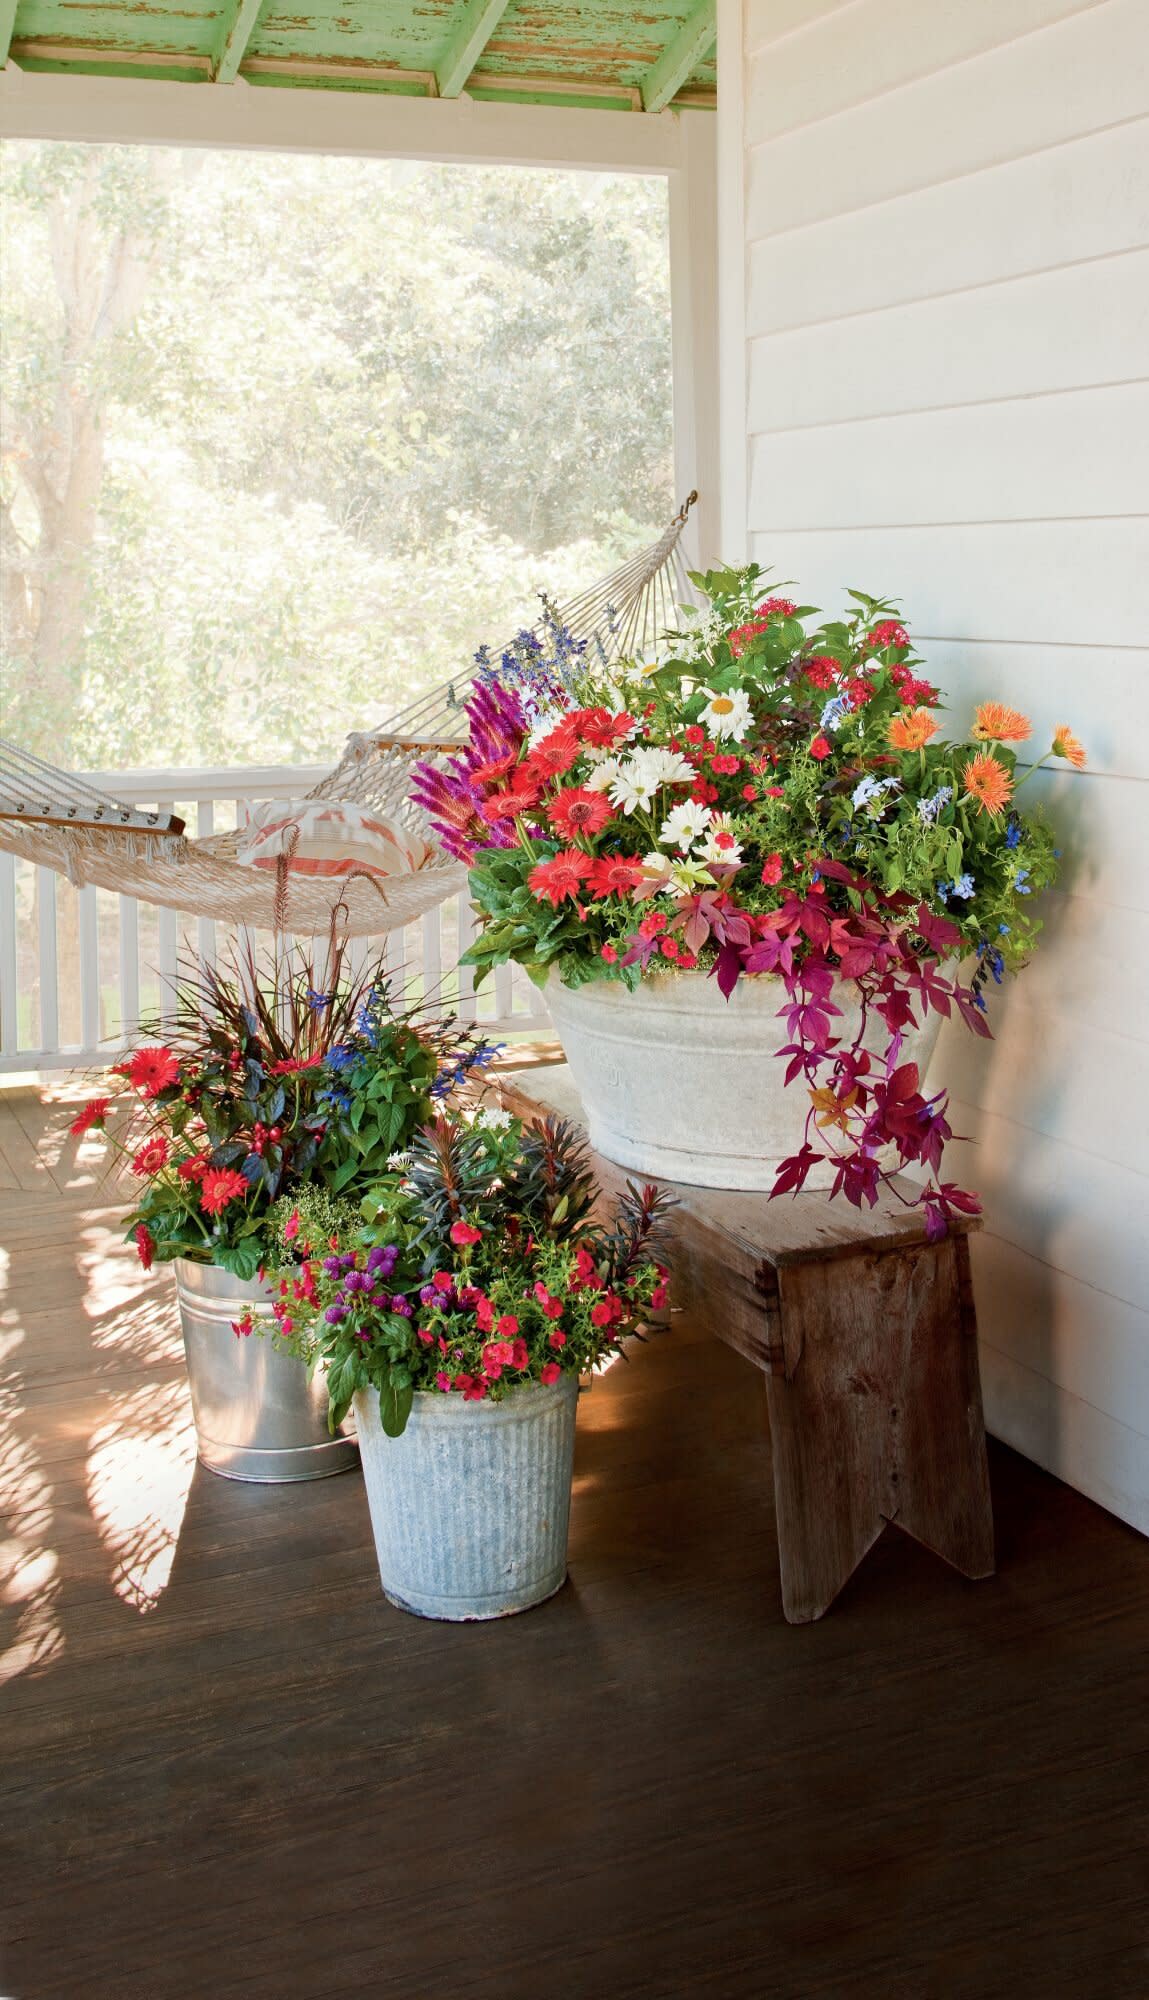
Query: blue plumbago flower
{"points": [[928, 809], [1021, 882], [1013, 831], [874, 788], [1003, 930], [963, 887], [834, 712], [943, 889]]}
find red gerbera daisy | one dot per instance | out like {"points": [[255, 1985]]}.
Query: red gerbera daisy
{"points": [[490, 773], [151, 1157], [94, 1113], [557, 752], [575, 810], [509, 804], [551, 881], [145, 1245], [614, 875], [220, 1186], [196, 1167], [152, 1070]]}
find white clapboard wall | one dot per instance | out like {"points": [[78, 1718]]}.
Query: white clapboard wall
{"points": [[940, 297]]}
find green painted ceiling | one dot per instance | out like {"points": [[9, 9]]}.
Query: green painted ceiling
{"points": [[579, 52]]}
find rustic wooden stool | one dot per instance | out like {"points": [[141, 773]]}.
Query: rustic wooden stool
{"points": [[867, 1337]]}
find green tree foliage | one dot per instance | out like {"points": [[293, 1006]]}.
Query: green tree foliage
{"points": [[286, 437]]}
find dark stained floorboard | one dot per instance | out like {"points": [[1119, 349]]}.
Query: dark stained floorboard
{"points": [[252, 1779]]}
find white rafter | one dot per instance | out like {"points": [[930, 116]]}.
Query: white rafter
{"points": [[479, 20], [680, 57]]}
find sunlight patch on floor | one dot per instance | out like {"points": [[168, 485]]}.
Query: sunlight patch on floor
{"points": [[139, 1472]]}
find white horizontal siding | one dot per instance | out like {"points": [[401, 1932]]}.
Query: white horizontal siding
{"points": [[1070, 204], [1080, 583], [1080, 74], [946, 329], [1084, 452], [1027, 336]]}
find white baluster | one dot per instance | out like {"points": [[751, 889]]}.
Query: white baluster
{"points": [[9, 1017], [49, 965]]}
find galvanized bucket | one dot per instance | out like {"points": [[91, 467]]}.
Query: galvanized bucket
{"points": [[470, 1506], [257, 1416]]}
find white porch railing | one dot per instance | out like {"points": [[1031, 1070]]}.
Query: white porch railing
{"points": [[79, 969]]}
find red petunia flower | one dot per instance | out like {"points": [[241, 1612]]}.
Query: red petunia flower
{"points": [[152, 1070], [462, 1232], [552, 881], [694, 734], [614, 875], [94, 1113], [609, 952], [726, 766], [820, 747], [575, 811], [772, 870], [549, 1372], [153, 1155], [221, 1186], [145, 1245]]}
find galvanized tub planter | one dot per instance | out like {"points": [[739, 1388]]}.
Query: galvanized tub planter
{"points": [[470, 1506], [257, 1416], [681, 1084]]}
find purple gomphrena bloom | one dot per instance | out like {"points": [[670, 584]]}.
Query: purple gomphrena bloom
{"points": [[376, 1258], [401, 1305], [334, 1315], [379, 1299], [428, 1296], [332, 1267]]}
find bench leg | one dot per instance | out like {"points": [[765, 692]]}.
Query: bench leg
{"points": [[877, 1417]]}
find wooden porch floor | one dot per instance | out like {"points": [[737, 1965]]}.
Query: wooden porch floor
{"points": [[230, 1769]]}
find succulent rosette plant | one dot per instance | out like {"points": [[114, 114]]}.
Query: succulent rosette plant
{"points": [[480, 1268], [262, 1088], [765, 797]]}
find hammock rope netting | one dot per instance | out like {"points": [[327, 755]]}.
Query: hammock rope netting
{"points": [[55, 819]]}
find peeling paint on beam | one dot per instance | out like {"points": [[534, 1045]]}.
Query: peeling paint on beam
{"points": [[7, 23], [480, 19], [244, 15], [694, 39]]}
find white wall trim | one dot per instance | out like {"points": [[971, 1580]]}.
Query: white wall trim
{"points": [[130, 111], [732, 254]]}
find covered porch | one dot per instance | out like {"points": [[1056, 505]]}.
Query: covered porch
{"points": [[909, 277]]}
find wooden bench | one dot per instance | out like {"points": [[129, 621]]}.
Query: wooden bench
{"points": [[867, 1337]]}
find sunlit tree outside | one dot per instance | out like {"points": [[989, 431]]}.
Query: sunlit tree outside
{"points": [[286, 437]]}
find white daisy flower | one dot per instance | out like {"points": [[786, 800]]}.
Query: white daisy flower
{"points": [[685, 824], [603, 776], [726, 715], [662, 766], [630, 787]]}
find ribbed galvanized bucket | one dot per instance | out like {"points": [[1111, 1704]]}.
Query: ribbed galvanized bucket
{"points": [[257, 1416], [678, 1082], [470, 1506]]}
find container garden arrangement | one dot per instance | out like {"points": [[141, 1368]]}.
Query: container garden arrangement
{"points": [[455, 1307], [264, 1086], [752, 877]]}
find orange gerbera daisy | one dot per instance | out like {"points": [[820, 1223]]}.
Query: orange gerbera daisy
{"points": [[912, 731], [986, 781], [1065, 744], [996, 723]]}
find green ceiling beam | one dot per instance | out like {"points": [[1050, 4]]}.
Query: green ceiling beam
{"points": [[478, 24], [241, 27], [679, 58], [7, 23]]}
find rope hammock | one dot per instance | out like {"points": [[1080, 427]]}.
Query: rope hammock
{"points": [[56, 819]]}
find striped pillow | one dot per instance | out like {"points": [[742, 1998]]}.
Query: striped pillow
{"points": [[324, 837]]}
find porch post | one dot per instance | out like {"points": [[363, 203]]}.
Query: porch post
{"points": [[694, 331]]}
